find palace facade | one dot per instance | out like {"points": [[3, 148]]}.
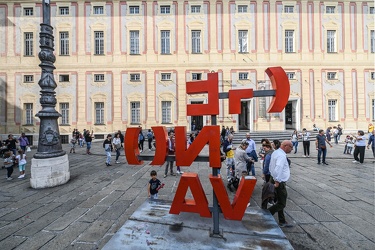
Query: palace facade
{"points": [[126, 63]]}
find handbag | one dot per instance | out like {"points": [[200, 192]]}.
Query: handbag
{"points": [[28, 149], [118, 145], [323, 147]]}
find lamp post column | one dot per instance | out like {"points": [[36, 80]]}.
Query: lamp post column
{"points": [[50, 164]]}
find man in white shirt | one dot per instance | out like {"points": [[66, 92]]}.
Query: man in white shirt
{"points": [[280, 173]]}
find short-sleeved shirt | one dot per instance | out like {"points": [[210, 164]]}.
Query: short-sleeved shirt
{"points": [[321, 140], [154, 184], [11, 143]]}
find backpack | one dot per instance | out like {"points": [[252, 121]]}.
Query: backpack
{"points": [[149, 135]]}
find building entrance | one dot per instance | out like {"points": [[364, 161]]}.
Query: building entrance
{"points": [[196, 120], [243, 118]]}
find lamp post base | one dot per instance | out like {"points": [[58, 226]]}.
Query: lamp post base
{"points": [[49, 172]]}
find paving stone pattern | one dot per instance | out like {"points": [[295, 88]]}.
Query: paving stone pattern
{"points": [[331, 207]]}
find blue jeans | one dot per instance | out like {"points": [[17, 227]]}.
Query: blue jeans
{"points": [[108, 160], [250, 167], [320, 151], [336, 137], [295, 146], [117, 153]]}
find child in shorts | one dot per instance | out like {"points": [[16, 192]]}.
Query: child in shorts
{"points": [[21, 158], [154, 185]]}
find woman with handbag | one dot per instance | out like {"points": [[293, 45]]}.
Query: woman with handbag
{"points": [[107, 145], [117, 145]]}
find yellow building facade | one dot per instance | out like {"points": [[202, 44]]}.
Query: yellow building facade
{"points": [[126, 63]]}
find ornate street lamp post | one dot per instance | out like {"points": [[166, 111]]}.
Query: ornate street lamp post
{"points": [[50, 165]]}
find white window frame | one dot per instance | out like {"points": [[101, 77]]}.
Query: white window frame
{"points": [[166, 112], [330, 9], [289, 41], [196, 76], [165, 9], [64, 78], [291, 75], [99, 78], [29, 43], [242, 8], [64, 43], [165, 42], [134, 42], [29, 114], [64, 11], [99, 112], [28, 78], [135, 112], [331, 41], [243, 76], [195, 9], [135, 77], [166, 76], [98, 10], [372, 41], [99, 42], [288, 9], [243, 41], [28, 11], [196, 41], [332, 110], [332, 75], [64, 110], [134, 10]]}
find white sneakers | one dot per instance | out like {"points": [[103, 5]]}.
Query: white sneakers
{"points": [[355, 161], [179, 172], [21, 176], [117, 162]]}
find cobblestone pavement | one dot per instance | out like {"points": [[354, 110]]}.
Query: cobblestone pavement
{"points": [[332, 207]]}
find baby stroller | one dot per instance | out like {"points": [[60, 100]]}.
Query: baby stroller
{"points": [[233, 181]]}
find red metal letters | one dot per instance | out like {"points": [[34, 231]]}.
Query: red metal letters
{"points": [[210, 135]]}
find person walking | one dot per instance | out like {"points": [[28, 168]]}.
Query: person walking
{"points": [[360, 146], [154, 185], [171, 149], [21, 159], [251, 152], [9, 163], [88, 139], [116, 142], [294, 139], [241, 159], [11, 144], [107, 145], [305, 135], [320, 144], [141, 140], [339, 134], [280, 173], [121, 137], [24, 142], [335, 134], [370, 129], [266, 163], [229, 153], [371, 142], [150, 137]]}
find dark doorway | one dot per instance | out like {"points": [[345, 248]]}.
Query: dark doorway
{"points": [[289, 116], [197, 120], [243, 118]]}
